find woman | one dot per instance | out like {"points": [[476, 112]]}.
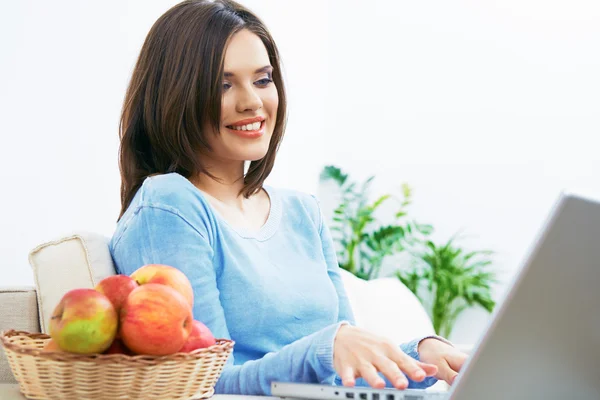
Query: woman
{"points": [[207, 96]]}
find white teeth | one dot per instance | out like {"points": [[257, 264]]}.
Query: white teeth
{"points": [[249, 127]]}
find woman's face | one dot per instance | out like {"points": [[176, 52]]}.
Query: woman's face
{"points": [[249, 103]]}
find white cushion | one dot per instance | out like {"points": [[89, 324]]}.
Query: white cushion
{"points": [[78, 261], [385, 306]]}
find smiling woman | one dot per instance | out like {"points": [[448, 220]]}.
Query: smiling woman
{"points": [[207, 96]]}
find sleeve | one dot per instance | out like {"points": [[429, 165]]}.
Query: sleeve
{"points": [[346, 313], [334, 270], [163, 236]]}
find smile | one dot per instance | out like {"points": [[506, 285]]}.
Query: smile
{"points": [[253, 130], [248, 127]]}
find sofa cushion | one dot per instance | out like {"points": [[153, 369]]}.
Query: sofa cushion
{"points": [[77, 261], [386, 307], [19, 311]]}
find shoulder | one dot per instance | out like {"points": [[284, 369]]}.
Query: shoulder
{"points": [[170, 192], [168, 197], [300, 203]]}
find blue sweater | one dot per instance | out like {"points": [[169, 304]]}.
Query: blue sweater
{"points": [[276, 292]]}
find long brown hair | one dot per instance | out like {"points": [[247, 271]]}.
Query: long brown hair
{"points": [[176, 87]]}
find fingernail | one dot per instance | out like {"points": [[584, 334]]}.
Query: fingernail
{"points": [[420, 374], [401, 382]]}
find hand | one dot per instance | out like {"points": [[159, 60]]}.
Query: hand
{"points": [[448, 359], [358, 353]]}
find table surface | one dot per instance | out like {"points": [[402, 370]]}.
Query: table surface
{"points": [[11, 392]]}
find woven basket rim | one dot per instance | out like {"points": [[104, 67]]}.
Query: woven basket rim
{"points": [[222, 345]]}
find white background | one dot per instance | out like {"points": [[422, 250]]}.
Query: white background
{"points": [[487, 109]]}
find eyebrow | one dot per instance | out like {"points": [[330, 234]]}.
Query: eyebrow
{"points": [[266, 68]]}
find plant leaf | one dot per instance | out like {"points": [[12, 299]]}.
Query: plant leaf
{"points": [[334, 173]]}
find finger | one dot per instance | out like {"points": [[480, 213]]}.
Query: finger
{"points": [[456, 360], [430, 369], [369, 373], [347, 375], [408, 365], [446, 373], [391, 371]]}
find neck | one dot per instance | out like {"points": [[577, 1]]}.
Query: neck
{"points": [[228, 186]]}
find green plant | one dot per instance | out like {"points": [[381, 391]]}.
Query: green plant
{"points": [[455, 280], [363, 242]]}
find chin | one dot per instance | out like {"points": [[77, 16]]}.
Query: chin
{"points": [[254, 156], [235, 148], [254, 152]]}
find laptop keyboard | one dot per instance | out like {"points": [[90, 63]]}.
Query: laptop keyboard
{"points": [[397, 396]]}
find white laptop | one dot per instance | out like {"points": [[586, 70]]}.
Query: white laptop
{"points": [[543, 341]]}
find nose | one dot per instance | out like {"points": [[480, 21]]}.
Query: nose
{"points": [[248, 100]]}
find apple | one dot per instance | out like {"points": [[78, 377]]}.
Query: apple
{"points": [[155, 320], [84, 322], [118, 347], [51, 345], [200, 337], [165, 275], [116, 288]]}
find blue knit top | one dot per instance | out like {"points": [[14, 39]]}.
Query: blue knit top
{"points": [[277, 292]]}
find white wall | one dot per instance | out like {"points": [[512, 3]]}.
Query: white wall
{"points": [[487, 109]]}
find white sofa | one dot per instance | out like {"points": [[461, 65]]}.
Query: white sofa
{"points": [[384, 306]]}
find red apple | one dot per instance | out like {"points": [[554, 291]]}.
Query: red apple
{"points": [[116, 288], [155, 320], [117, 347], [200, 337], [165, 275], [84, 322]]}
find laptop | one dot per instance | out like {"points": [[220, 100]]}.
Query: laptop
{"points": [[543, 341]]}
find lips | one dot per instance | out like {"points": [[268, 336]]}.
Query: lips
{"points": [[253, 134]]}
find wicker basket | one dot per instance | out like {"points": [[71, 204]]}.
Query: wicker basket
{"points": [[65, 376]]}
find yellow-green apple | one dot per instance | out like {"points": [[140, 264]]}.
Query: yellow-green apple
{"points": [[165, 275], [200, 337], [155, 320], [116, 288], [84, 322]]}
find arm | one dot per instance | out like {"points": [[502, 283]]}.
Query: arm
{"points": [[160, 235], [333, 270], [346, 313]]}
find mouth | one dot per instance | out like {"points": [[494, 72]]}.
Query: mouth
{"points": [[253, 130]]}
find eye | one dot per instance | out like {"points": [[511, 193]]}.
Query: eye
{"points": [[226, 86], [264, 82]]}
